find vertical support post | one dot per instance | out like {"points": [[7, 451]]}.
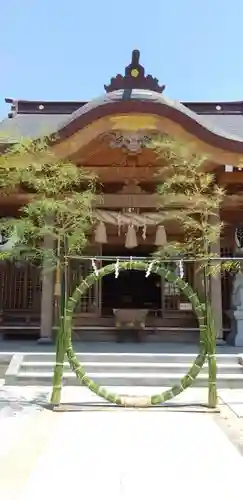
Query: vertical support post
{"points": [[216, 290], [47, 295], [61, 337], [98, 290], [2, 288], [210, 343], [162, 296], [214, 320]]}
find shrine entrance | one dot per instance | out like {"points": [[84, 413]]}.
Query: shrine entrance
{"points": [[131, 289], [165, 306]]}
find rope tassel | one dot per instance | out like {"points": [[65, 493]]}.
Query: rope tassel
{"points": [[100, 233], [131, 237], [160, 238]]}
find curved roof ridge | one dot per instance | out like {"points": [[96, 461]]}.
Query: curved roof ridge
{"points": [[202, 120], [152, 97]]}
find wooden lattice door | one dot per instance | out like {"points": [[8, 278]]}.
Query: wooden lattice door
{"points": [[20, 292], [78, 270]]}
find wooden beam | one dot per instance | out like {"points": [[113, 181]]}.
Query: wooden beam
{"points": [[120, 200], [225, 178], [123, 173], [128, 200]]}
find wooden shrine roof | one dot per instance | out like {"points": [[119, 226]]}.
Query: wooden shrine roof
{"points": [[36, 118], [217, 123]]}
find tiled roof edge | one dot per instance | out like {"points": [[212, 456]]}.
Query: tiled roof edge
{"points": [[68, 107]]}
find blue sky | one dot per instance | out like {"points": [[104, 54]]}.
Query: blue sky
{"points": [[67, 50]]}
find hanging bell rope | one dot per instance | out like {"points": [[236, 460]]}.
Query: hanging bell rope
{"points": [[127, 218], [57, 288]]}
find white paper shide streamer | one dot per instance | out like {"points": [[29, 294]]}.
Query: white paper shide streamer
{"points": [[117, 269], [95, 268], [181, 269], [148, 272]]}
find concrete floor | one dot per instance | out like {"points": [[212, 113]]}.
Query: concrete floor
{"points": [[115, 455]]}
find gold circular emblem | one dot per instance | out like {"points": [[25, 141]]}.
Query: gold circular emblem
{"points": [[134, 73]]}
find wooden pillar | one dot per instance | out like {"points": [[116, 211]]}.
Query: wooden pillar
{"points": [[2, 285], [47, 297], [98, 249], [216, 289]]}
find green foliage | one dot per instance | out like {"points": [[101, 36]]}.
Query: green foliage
{"points": [[60, 198], [189, 195]]}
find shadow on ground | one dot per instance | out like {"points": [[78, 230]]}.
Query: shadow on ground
{"points": [[102, 406], [11, 404]]}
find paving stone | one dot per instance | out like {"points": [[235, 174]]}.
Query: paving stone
{"points": [[128, 455], [117, 455]]}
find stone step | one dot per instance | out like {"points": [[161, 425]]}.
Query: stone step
{"points": [[129, 357], [124, 367], [166, 379], [105, 333]]}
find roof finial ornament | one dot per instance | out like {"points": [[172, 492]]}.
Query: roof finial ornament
{"points": [[135, 56], [134, 78], [135, 69]]}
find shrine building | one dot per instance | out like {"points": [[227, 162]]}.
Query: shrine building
{"points": [[108, 135]]}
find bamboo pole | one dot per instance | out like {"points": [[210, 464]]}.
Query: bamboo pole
{"points": [[155, 399], [211, 345], [61, 338]]}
